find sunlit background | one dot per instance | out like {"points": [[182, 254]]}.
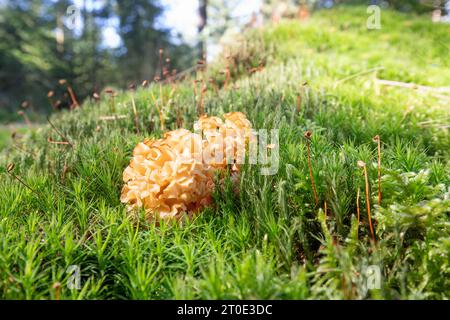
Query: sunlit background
{"points": [[98, 43], [179, 16]]}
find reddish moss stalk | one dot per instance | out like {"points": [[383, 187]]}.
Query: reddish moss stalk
{"points": [[366, 177], [25, 117], [50, 140], [227, 77], [73, 97], [50, 96], [57, 287], [299, 104], [10, 169], [66, 141]]}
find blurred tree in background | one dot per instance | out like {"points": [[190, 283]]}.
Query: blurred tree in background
{"points": [[139, 58], [37, 48], [27, 52]]}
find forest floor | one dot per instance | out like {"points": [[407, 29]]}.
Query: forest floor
{"points": [[60, 206]]}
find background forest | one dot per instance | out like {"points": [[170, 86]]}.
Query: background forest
{"points": [[44, 41]]}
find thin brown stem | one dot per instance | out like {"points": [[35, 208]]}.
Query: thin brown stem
{"points": [[66, 141], [214, 86], [10, 169], [179, 118], [161, 51], [64, 172], [25, 117], [50, 140], [57, 287], [50, 95], [366, 177], [73, 97], [227, 78]]}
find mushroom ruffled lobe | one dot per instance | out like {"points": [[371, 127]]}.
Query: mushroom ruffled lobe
{"points": [[225, 142], [174, 176], [166, 177]]}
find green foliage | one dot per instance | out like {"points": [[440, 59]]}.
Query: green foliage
{"points": [[39, 47], [264, 238]]}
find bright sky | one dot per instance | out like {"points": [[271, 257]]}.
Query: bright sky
{"points": [[180, 16]]}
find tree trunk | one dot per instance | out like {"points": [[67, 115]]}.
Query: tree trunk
{"points": [[59, 34], [202, 10]]}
